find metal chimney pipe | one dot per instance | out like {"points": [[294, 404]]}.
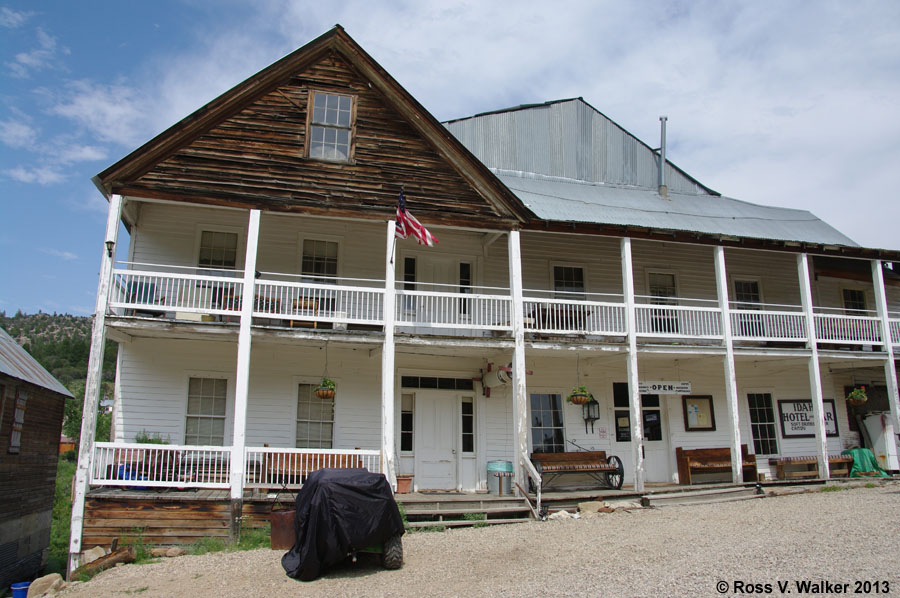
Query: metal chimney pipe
{"points": [[663, 189]]}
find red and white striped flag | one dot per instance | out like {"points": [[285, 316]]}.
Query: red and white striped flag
{"points": [[408, 225]]}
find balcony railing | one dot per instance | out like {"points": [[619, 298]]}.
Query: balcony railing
{"points": [[160, 465], [700, 320], [179, 466], [300, 300], [145, 291], [767, 322], [288, 468], [446, 306], [595, 314], [837, 326], [304, 301]]}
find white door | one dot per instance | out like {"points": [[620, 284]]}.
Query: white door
{"points": [[436, 452], [656, 440], [437, 275]]}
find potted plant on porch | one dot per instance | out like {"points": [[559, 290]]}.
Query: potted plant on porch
{"points": [[857, 396], [579, 395], [325, 390]]}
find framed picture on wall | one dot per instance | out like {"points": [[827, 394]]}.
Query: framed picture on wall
{"points": [[698, 413]]}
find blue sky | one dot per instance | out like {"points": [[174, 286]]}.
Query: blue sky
{"points": [[790, 103]]}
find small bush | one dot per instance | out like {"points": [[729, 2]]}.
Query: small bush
{"points": [[204, 545], [831, 488], [144, 437], [70, 455]]}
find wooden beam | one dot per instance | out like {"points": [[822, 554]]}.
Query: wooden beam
{"points": [[634, 394], [890, 370], [92, 384], [737, 469], [815, 376], [519, 389], [388, 390]]}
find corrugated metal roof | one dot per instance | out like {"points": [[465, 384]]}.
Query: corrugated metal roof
{"points": [[575, 201], [569, 162], [16, 362], [570, 139]]}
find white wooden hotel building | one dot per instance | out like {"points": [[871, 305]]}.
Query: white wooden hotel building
{"points": [[262, 257]]}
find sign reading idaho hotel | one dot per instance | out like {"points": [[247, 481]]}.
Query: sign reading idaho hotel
{"points": [[662, 387], [797, 419]]}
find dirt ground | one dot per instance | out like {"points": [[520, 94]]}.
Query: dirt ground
{"points": [[848, 536]]}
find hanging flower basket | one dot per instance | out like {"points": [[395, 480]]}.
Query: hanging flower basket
{"points": [[857, 396], [325, 390], [579, 395]]}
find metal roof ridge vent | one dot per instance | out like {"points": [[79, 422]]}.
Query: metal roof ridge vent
{"points": [[663, 189]]}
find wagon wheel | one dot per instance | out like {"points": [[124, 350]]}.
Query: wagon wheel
{"points": [[614, 479]]}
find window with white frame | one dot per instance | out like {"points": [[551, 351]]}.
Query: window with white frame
{"points": [[854, 301], [205, 420], [762, 423], [320, 259], [407, 414], [547, 435], [315, 419], [330, 127], [568, 282], [663, 290], [218, 249], [468, 425]]}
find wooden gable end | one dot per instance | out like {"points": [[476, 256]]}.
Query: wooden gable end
{"points": [[256, 159]]}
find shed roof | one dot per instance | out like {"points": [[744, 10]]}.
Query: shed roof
{"points": [[17, 363]]}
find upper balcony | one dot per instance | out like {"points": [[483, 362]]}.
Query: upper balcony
{"points": [[321, 302]]}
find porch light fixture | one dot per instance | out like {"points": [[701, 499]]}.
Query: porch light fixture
{"points": [[591, 411], [109, 247]]}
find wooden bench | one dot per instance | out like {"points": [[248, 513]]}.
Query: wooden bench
{"points": [[606, 470], [808, 466], [712, 460], [293, 468]]}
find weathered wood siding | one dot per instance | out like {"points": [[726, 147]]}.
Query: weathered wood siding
{"points": [[256, 158], [27, 479], [156, 519]]}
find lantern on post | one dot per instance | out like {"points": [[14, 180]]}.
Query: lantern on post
{"points": [[591, 412]]}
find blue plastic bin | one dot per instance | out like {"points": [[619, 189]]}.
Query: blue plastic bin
{"points": [[20, 590]]}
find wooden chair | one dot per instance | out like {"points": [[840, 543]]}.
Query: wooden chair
{"points": [[307, 307]]}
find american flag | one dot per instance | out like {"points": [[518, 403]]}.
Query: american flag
{"points": [[408, 225]]}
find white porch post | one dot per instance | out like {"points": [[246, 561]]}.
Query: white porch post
{"points": [[242, 376], [634, 393], [519, 389], [92, 384], [815, 377], [890, 371], [737, 469], [387, 362]]}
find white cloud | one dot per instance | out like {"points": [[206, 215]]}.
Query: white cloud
{"points": [[69, 153], [66, 255], [42, 175], [110, 112], [11, 19], [17, 134], [37, 59]]}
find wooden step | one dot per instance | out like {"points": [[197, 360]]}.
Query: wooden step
{"points": [[465, 522], [519, 508], [692, 497]]}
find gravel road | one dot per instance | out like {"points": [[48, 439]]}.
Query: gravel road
{"points": [[842, 537]]}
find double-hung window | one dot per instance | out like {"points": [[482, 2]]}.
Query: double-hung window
{"points": [[854, 302], [331, 127], [319, 260], [218, 249], [205, 424], [315, 419], [547, 423], [762, 423]]}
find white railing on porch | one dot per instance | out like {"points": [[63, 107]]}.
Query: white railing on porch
{"points": [[833, 326], [287, 468], [160, 465], [592, 315], [329, 299], [701, 321], [768, 322], [454, 307], [894, 327], [154, 292]]}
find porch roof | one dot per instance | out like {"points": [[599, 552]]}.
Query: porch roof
{"points": [[17, 363], [567, 200]]}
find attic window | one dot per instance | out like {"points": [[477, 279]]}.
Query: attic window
{"points": [[330, 131]]}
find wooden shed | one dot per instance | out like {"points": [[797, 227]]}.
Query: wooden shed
{"points": [[32, 404]]}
